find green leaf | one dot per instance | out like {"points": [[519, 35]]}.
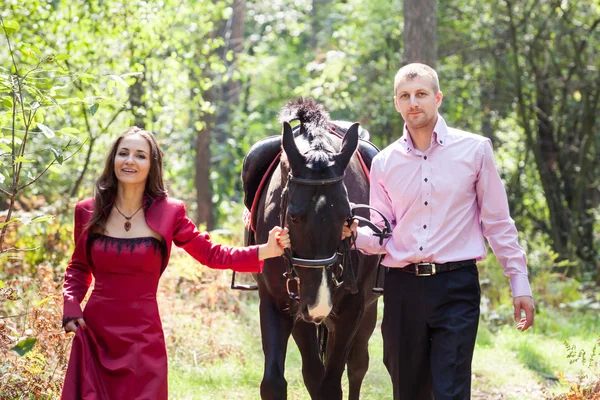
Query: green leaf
{"points": [[7, 101], [5, 147], [24, 346], [2, 284], [60, 57], [44, 301], [118, 79], [11, 27], [49, 133], [3, 224], [70, 129], [58, 155], [23, 160], [43, 218], [94, 108]]}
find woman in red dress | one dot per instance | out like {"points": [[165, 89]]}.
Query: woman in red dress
{"points": [[123, 239]]}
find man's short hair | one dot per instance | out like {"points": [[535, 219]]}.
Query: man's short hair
{"points": [[414, 70]]}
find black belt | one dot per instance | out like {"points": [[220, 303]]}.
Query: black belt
{"points": [[428, 269]]}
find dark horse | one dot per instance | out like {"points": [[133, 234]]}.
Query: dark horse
{"points": [[310, 192]]}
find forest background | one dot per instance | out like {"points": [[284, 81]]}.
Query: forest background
{"points": [[208, 78]]}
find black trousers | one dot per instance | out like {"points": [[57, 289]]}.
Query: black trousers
{"points": [[429, 329]]}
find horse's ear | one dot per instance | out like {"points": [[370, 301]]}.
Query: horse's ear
{"points": [[289, 146], [349, 145]]}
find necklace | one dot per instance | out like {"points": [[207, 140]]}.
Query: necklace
{"points": [[127, 224]]}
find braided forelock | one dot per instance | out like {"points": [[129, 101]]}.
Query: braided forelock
{"points": [[315, 122]]}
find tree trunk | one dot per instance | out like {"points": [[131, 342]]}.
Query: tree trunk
{"points": [[420, 37], [227, 94], [202, 180], [137, 101]]}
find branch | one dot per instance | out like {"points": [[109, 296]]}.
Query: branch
{"points": [[13, 316], [10, 50], [37, 177], [49, 165], [114, 117], [17, 249]]}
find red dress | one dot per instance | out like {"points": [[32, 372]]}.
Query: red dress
{"points": [[122, 354]]}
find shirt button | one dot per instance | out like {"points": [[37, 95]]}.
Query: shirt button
{"points": [[425, 179], [441, 142], [425, 157], [424, 226], [421, 248], [426, 203]]}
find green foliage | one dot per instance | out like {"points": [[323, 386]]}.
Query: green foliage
{"points": [[24, 346]]}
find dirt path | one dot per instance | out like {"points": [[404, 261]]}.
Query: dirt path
{"points": [[512, 392]]}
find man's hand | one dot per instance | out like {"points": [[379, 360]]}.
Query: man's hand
{"points": [[523, 303], [349, 231]]}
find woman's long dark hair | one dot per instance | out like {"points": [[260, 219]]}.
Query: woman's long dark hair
{"points": [[106, 186]]}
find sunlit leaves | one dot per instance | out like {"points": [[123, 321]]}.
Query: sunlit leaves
{"points": [[11, 27], [49, 133]]}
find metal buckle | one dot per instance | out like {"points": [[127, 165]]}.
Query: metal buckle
{"points": [[418, 273]]}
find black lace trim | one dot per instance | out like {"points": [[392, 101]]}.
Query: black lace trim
{"points": [[127, 244]]}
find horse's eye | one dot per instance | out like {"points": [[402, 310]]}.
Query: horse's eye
{"points": [[294, 218]]}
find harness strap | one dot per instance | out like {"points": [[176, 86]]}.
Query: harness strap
{"points": [[348, 272], [260, 189]]}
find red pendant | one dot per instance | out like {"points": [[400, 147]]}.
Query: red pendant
{"points": [[127, 226]]}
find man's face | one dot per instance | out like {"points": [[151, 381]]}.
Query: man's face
{"points": [[416, 101]]}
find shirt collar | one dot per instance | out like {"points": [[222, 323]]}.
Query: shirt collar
{"points": [[440, 132]]}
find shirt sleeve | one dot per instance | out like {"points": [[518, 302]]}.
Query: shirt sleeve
{"points": [[378, 199], [78, 275], [216, 256], [498, 227]]}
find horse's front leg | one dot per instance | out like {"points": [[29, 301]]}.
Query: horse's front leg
{"points": [[305, 335], [339, 344], [275, 327], [358, 359]]}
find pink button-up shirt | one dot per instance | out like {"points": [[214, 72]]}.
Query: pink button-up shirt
{"points": [[441, 203]]}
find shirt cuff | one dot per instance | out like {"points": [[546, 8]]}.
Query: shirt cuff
{"points": [[367, 242], [519, 285]]}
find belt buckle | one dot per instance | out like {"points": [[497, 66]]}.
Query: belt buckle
{"points": [[423, 264]]}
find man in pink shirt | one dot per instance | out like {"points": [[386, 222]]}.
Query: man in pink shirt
{"points": [[442, 194]]}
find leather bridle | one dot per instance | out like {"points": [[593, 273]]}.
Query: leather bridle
{"points": [[293, 262]]}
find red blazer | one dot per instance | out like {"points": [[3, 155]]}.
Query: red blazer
{"points": [[167, 217]]}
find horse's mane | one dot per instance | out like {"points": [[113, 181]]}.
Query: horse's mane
{"points": [[314, 122]]}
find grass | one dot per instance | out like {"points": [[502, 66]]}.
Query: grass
{"points": [[507, 364], [238, 377], [215, 350]]}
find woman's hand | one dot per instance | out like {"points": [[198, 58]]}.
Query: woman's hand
{"points": [[73, 324], [279, 239]]}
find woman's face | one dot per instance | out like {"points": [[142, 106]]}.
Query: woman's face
{"points": [[132, 161]]}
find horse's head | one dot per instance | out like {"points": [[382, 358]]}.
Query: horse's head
{"points": [[314, 209]]}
